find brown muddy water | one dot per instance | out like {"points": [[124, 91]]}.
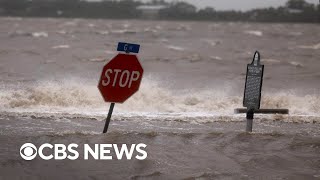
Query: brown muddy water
{"points": [[194, 78]]}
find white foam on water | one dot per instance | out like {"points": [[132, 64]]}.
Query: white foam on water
{"points": [[270, 61], [98, 59], [152, 101], [296, 64], [212, 42], [110, 52], [126, 25], [64, 46], [40, 34], [124, 31], [70, 23], [62, 32], [175, 48], [151, 30], [91, 25], [314, 47], [158, 27], [184, 27], [103, 32], [216, 58], [64, 133], [254, 32]]}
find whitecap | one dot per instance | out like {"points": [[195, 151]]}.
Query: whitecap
{"points": [[163, 40], [314, 47], [215, 58], [150, 30], [212, 42], [123, 31], [195, 58], [270, 61], [103, 32], [61, 47], [40, 34], [91, 25], [176, 48], [183, 27], [255, 33], [110, 52], [153, 100], [70, 23], [49, 61], [158, 27], [97, 59], [126, 25], [62, 32], [296, 64]]}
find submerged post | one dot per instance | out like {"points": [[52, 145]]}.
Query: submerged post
{"points": [[130, 71], [253, 86], [250, 114], [252, 93], [108, 118], [262, 111]]}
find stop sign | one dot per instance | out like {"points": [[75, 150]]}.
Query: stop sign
{"points": [[120, 78]]}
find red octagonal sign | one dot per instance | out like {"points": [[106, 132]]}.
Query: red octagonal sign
{"points": [[120, 78]]}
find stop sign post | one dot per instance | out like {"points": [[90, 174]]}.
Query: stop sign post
{"points": [[120, 78]]}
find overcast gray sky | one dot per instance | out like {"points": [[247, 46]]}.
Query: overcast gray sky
{"points": [[238, 4]]}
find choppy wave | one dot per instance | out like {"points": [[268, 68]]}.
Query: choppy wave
{"points": [[254, 32], [72, 96], [175, 48], [64, 46], [314, 47]]}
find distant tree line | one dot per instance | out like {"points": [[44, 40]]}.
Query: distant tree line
{"points": [[70, 8], [293, 11]]}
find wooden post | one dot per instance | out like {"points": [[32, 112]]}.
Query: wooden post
{"points": [[262, 111]]}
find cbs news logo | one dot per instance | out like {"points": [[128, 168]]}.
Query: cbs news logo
{"points": [[29, 151]]}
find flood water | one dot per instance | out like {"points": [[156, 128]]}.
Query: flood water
{"points": [[184, 111]]}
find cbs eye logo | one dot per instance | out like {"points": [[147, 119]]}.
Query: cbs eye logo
{"points": [[28, 151]]}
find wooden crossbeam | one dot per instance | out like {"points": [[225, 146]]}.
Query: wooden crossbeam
{"points": [[262, 111]]}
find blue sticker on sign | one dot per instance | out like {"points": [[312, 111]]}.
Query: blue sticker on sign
{"points": [[127, 47]]}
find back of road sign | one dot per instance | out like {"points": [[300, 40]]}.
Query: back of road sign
{"points": [[253, 86]]}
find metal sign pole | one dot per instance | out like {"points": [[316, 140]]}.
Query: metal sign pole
{"points": [[127, 48], [108, 118], [250, 114], [253, 86], [252, 93]]}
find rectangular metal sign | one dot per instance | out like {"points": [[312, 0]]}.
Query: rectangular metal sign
{"points": [[253, 85], [127, 47]]}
